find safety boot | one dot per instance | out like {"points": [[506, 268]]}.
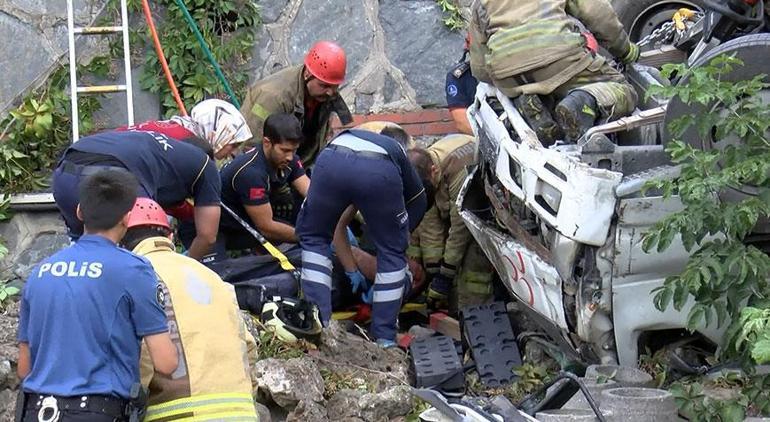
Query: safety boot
{"points": [[577, 113], [539, 118]]}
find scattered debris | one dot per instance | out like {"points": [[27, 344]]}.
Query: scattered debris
{"points": [[9, 323]]}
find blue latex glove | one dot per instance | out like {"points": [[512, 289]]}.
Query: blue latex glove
{"points": [[351, 237], [368, 296], [357, 281]]}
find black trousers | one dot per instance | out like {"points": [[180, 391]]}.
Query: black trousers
{"points": [[74, 416]]}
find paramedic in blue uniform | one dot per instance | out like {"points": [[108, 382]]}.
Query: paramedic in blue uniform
{"points": [[261, 185], [460, 91], [85, 311], [168, 171], [371, 172]]}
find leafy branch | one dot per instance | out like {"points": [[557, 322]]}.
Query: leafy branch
{"points": [[725, 271]]}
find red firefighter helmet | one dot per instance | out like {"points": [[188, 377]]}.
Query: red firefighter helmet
{"points": [[147, 212], [326, 61]]}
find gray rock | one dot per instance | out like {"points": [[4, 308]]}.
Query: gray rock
{"points": [[288, 382], [388, 405], [341, 21], [418, 43], [640, 404], [625, 376], [356, 404], [31, 237], [308, 411], [7, 405], [263, 413], [343, 352], [270, 10]]}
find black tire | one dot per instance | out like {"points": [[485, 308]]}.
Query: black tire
{"points": [[754, 51], [641, 17]]}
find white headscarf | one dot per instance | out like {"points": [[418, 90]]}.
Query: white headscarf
{"points": [[218, 122]]}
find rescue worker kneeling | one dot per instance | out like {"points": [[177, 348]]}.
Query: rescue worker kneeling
{"points": [[369, 172], [213, 380]]}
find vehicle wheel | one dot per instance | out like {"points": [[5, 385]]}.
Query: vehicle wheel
{"points": [[642, 17], [754, 51]]}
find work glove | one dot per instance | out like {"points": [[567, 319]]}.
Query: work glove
{"points": [[357, 281], [632, 55], [368, 296], [438, 292]]}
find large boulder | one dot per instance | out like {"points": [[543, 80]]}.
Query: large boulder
{"points": [[288, 382], [309, 411]]}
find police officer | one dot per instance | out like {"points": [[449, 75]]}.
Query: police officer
{"points": [[258, 185], [371, 172], [309, 91], [214, 347], [536, 47], [461, 90], [168, 171], [442, 242], [214, 120], [85, 311]]}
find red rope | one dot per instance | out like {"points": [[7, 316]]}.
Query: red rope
{"points": [[162, 57]]}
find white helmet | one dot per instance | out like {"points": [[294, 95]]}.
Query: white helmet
{"points": [[220, 123]]}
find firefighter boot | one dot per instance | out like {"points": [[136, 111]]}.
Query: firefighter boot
{"points": [[577, 113], [539, 118]]}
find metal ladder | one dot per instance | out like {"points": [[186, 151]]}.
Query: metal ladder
{"points": [[100, 89]]}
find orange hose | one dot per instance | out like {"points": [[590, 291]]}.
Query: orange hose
{"points": [[162, 57]]}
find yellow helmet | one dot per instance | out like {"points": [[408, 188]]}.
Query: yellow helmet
{"points": [[292, 319]]}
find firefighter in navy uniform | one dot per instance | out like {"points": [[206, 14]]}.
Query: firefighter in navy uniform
{"points": [[168, 171], [371, 172], [84, 313], [460, 91], [260, 186]]}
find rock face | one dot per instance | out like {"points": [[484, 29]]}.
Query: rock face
{"points": [[39, 31], [385, 406], [398, 51]]}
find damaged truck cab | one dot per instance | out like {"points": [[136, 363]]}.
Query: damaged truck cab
{"points": [[563, 226]]}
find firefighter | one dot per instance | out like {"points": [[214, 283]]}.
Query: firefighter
{"points": [[258, 185], [213, 380], [371, 172], [214, 120], [461, 90], [536, 47], [169, 172], [309, 91], [84, 313], [442, 242]]}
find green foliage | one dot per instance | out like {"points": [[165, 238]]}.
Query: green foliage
{"points": [[452, 17], [531, 377], [419, 407], [7, 293], [697, 406], [724, 272], [229, 28]]}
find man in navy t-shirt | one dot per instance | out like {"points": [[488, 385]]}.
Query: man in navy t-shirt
{"points": [[85, 311], [258, 185], [168, 171]]}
